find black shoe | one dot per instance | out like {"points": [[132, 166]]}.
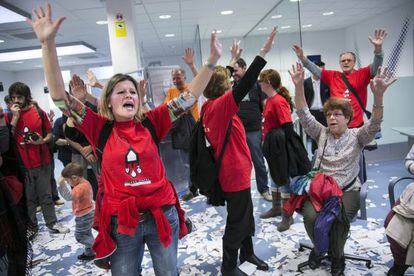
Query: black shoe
{"points": [[397, 270], [253, 259], [338, 266], [234, 272], [103, 263], [84, 257], [314, 260], [32, 233]]}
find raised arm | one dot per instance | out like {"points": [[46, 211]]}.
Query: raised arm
{"points": [[46, 30], [250, 77], [312, 127], [188, 58], [312, 67], [377, 41], [298, 75], [199, 83], [379, 85]]}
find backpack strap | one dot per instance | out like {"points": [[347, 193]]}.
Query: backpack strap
{"points": [[352, 89], [103, 138], [226, 139], [106, 131], [148, 124]]}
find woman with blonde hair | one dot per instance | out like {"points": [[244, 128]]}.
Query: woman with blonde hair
{"points": [[140, 205]]}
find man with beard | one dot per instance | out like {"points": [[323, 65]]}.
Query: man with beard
{"points": [[31, 132]]}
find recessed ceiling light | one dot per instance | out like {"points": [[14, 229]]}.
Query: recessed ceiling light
{"points": [[102, 22], [1, 41], [10, 13], [66, 49], [169, 35], [19, 62], [276, 16], [307, 26], [226, 12], [285, 27], [295, 0], [219, 31], [262, 29], [328, 13], [165, 16]]}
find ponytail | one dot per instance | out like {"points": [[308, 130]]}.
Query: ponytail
{"points": [[282, 91]]}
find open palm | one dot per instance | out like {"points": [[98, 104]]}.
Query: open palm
{"points": [[42, 23], [379, 36]]}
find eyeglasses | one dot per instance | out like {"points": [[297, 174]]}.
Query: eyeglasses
{"points": [[347, 60], [335, 114]]}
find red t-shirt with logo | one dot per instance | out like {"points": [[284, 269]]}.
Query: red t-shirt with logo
{"points": [[275, 114], [236, 165], [359, 80], [32, 156], [130, 162]]}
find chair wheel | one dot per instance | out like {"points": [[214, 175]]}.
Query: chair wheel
{"points": [[369, 265]]}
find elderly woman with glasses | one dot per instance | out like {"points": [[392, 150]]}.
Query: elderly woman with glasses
{"points": [[339, 149]]}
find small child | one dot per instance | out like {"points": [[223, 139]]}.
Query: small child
{"points": [[82, 205]]}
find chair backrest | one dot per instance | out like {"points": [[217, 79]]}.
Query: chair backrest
{"points": [[391, 187]]}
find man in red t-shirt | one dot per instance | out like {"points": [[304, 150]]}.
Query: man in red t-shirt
{"points": [[357, 78], [31, 131]]}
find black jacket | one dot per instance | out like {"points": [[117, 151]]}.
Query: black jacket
{"points": [[310, 93], [285, 154]]}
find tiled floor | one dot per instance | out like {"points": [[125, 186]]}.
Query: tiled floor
{"points": [[200, 252]]}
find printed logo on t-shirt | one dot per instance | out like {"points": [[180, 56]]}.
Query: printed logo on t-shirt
{"points": [[346, 94], [133, 169]]}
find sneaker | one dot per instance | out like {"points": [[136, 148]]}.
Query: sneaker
{"points": [[38, 209], [84, 257], [59, 202], [267, 196], [58, 228]]}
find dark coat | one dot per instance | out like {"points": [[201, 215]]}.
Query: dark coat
{"points": [[285, 154]]}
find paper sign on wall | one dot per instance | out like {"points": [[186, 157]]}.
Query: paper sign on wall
{"points": [[120, 26]]}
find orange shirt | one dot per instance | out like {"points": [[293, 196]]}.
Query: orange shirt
{"points": [[173, 92], [82, 199]]}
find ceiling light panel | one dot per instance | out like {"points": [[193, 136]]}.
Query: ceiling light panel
{"points": [[35, 52], [10, 14]]}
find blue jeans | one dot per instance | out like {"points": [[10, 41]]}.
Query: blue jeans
{"points": [[128, 255], [284, 189], [254, 141], [83, 232]]}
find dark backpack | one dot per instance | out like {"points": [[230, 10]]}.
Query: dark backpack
{"points": [[181, 132], [203, 167]]}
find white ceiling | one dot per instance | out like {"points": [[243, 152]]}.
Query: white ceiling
{"points": [[82, 15]]}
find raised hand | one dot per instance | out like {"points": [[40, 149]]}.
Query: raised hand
{"points": [[43, 25], [142, 90], [269, 43], [92, 80], [78, 88], [215, 48], [378, 39], [382, 81], [235, 50], [299, 52], [297, 74], [188, 57]]}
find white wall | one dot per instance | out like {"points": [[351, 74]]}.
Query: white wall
{"points": [[7, 78]]}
